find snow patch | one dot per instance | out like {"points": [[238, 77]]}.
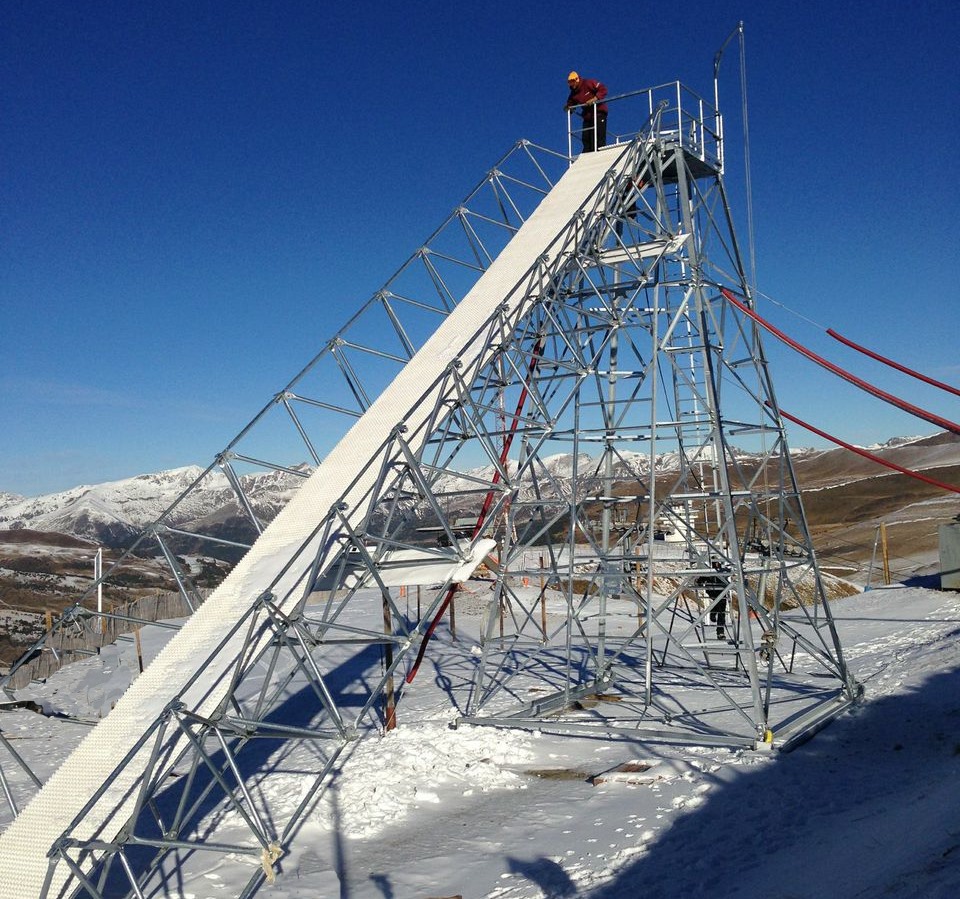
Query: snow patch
{"points": [[383, 780]]}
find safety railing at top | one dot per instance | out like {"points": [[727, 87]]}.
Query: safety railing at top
{"points": [[685, 117]]}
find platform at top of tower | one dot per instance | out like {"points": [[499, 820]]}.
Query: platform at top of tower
{"points": [[672, 113]]}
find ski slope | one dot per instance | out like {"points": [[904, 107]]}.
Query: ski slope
{"points": [[108, 758]]}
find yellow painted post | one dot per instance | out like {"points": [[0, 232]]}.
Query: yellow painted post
{"points": [[886, 554]]}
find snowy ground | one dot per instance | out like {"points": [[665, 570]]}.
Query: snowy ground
{"points": [[869, 808]]}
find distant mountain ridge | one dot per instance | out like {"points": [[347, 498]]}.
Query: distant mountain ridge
{"points": [[114, 512]]}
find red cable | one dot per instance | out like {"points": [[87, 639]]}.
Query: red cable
{"points": [[485, 509], [870, 456], [847, 376], [891, 363]]}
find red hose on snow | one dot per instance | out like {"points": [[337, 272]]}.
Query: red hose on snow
{"points": [[944, 423]]}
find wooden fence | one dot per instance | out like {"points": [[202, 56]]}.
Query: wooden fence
{"points": [[79, 637]]}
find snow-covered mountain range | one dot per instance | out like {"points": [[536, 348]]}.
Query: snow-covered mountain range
{"points": [[114, 512]]}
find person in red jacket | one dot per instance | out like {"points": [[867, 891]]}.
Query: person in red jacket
{"points": [[587, 95]]}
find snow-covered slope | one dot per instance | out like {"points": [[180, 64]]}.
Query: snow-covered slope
{"points": [[865, 809]]}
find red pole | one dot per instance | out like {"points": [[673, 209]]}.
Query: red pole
{"points": [[487, 503]]}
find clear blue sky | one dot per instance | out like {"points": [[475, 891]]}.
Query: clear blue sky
{"points": [[194, 195]]}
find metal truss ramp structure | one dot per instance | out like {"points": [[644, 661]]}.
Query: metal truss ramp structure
{"points": [[590, 439]]}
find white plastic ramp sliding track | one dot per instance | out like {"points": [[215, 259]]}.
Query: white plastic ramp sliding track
{"points": [[25, 846]]}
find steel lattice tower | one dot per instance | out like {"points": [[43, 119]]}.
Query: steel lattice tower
{"points": [[657, 389], [590, 433]]}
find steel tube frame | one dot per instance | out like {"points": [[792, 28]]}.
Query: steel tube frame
{"points": [[674, 338]]}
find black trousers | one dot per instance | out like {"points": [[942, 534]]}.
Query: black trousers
{"points": [[718, 614], [592, 138]]}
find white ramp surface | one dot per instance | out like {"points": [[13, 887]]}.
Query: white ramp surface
{"points": [[25, 845]]}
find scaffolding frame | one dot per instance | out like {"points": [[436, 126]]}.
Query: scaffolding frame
{"points": [[289, 435], [626, 343]]}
